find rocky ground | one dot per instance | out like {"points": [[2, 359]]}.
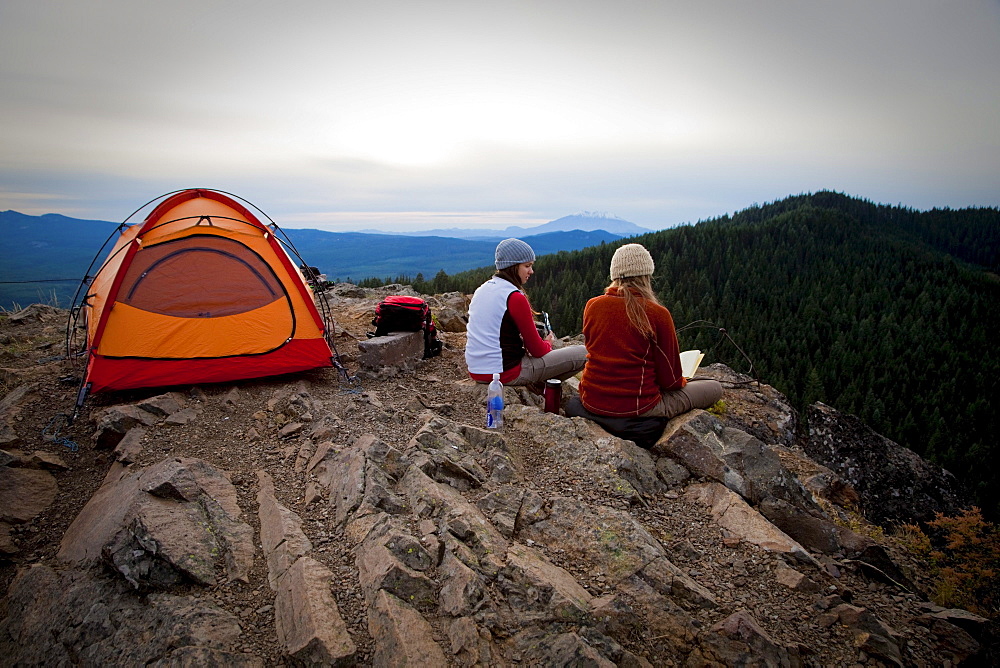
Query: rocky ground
{"points": [[731, 596]]}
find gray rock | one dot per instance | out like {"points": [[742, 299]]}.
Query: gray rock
{"points": [[738, 640], [893, 482], [741, 462], [450, 311], [7, 544], [10, 406], [755, 408], [813, 530], [502, 507], [175, 520], [358, 484], [290, 429], [450, 319], [9, 437], [795, 580], [308, 620], [732, 513], [130, 446], [953, 642], [443, 451], [405, 637], [164, 404], [349, 290], [636, 608], [857, 617], [462, 590], [468, 646], [90, 619], [972, 623], [281, 535], [675, 583], [24, 493], [819, 480], [386, 355], [347, 483], [37, 313], [381, 569], [461, 526], [114, 422], [602, 539], [559, 649], [672, 473], [536, 589], [182, 417], [232, 398], [694, 440], [613, 464]]}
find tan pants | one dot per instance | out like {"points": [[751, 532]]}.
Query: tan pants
{"points": [[698, 393], [561, 363]]}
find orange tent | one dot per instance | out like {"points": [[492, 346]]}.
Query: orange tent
{"points": [[200, 292]]}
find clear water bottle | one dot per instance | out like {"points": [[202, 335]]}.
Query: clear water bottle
{"points": [[494, 404]]}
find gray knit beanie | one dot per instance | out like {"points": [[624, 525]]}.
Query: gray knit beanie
{"points": [[513, 251], [631, 260]]}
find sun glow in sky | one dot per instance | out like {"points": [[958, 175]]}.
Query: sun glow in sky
{"points": [[399, 115]]}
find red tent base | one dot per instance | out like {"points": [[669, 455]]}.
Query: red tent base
{"points": [[107, 374]]}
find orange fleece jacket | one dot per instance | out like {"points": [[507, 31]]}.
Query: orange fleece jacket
{"points": [[626, 372]]}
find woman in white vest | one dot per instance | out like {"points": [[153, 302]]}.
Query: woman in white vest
{"points": [[502, 337]]}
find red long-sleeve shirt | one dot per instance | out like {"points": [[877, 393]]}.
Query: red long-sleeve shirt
{"points": [[626, 372], [517, 335]]}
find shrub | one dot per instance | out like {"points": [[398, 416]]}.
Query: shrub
{"points": [[964, 555]]}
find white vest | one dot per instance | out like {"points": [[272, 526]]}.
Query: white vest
{"points": [[486, 312]]}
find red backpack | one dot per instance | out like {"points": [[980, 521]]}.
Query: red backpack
{"points": [[400, 313]]}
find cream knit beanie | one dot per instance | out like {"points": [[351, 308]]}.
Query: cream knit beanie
{"points": [[631, 260]]}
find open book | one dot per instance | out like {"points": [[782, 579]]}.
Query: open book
{"points": [[690, 361]]}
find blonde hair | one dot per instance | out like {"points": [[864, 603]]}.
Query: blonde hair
{"points": [[637, 291]]}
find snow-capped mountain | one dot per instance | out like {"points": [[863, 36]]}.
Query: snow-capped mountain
{"points": [[588, 221]]}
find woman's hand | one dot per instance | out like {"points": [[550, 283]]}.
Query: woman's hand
{"points": [[550, 337]]}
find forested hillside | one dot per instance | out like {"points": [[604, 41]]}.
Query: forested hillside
{"points": [[881, 311], [43, 258]]}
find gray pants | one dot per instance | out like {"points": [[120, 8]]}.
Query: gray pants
{"points": [[698, 393], [561, 363]]}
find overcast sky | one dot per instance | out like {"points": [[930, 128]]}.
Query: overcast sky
{"points": [[395, 115]]}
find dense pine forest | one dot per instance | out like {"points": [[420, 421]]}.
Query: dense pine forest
{"points": [[881, 311]]}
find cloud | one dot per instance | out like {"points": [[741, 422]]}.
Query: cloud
{"points": [[654, 111]]}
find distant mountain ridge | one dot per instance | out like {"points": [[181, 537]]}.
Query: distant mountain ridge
{"points": [[44, 257], [355, 255], [587, 221], [46, 248]]}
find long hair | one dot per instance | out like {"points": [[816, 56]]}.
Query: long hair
{"points": [[637, 291], [510, 274]]}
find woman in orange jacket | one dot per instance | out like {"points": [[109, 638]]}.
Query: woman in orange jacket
{"points": [[633, 366]]}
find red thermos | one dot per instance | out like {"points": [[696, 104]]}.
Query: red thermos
{"points": [[553, 395]]}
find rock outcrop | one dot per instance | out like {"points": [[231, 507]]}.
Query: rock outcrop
{"points": [[893, 483], [304, 521]]}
